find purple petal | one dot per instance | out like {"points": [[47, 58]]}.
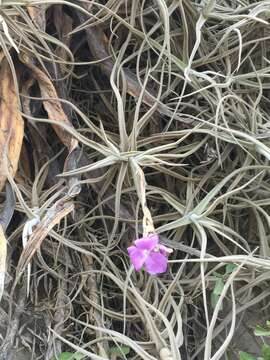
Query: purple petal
{"points": [[165, 250], [147, 242], [156, 263], [137, 257]]}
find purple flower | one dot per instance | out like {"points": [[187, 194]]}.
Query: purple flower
{"points": [[149, 253]]}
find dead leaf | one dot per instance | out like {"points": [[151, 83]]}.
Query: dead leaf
{"points": [[53, 217], [8, 207], [64, 25], [38, 15], [11, 124], [2, 55], [25, 164], [26, 99], [41, 146], [52, 104]]}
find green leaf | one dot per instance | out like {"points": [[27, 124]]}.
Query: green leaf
{"points": [[245, 356], [266, 352], [218, 287], [69, 356], [214, 299], [261, 331], [217, 274], [122, 350], [229, 268]]}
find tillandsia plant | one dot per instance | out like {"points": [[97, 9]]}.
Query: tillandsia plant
{"points": [[147, 252]]}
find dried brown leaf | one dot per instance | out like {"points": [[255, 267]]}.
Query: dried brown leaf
{"points": [[11, 124], [38, 15], [25, 163], [53, 217], [63, 24], [52, 105]]}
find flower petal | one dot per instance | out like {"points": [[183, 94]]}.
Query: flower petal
{"points": [[165, 250], [147, 242], [156, 263], [137, 257]]}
